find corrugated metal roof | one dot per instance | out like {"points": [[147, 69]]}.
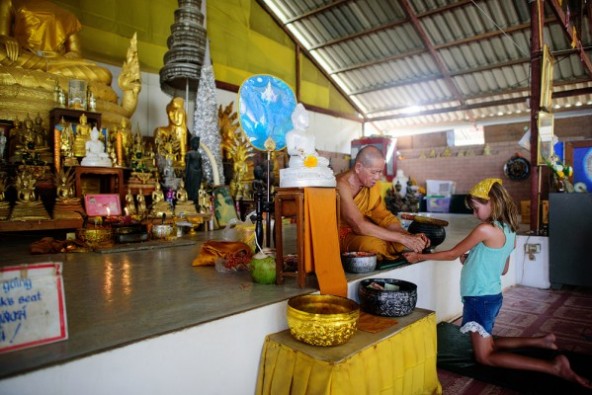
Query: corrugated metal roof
{"points": [[459, 61]]}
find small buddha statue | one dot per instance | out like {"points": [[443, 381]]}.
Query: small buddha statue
{"points": [[95, 151], [67, 204], [82, 136], [183, 207], [159, 205], [306, 167], [193, 169], [141, 202], [130, 203], [41, 134], [205, 201]]}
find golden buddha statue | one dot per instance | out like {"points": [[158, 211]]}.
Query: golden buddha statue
{"points": [[27, 207], [130, 203], [183, 206], [141, 203], [82, 136], [67, 204], [159, 205], [171, 140], [41, 133], [26, 149], [40, 47]]}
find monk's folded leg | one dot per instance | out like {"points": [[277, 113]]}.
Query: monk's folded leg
{"points": [[383, 249]]}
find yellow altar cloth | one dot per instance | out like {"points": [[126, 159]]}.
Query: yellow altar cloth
{"points": [[398, 360]]}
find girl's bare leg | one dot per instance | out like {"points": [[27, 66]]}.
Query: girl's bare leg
{"points": [[486, 354], [547, 341]]}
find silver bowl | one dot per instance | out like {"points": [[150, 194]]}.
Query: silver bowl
{"points": [[358, 262], [162, 231], [387, 297]]}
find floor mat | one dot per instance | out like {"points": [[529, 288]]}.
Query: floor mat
{"points": [[455, 355]]}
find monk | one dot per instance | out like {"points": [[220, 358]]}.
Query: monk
{"points": [[366, 224]]}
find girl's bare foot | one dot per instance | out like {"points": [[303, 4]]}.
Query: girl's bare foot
{"points": [[548, 341], [561, 363]]}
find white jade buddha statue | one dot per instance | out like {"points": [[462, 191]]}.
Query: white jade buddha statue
{"points": [[95, 151], [306, 167]]}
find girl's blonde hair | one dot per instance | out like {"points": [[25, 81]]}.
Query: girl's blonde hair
{"points": [[503, 208]]}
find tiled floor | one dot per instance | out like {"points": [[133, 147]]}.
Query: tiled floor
{"points": [[530, 311]]}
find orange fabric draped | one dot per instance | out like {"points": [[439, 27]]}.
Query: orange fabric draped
{"points": [[321, 243]]}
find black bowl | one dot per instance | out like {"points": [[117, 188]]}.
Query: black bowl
{"points": [[385, 302], [436, 233]]}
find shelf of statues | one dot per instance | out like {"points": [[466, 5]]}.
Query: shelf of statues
{"points": [[28, 142]]}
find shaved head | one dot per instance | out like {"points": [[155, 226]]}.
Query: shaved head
{"points": [[369, 155]]}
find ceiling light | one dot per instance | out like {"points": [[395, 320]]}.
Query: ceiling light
{"points": [[411, 110]]}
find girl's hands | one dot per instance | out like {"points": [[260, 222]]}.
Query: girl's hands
{"points": [[412, 257]]}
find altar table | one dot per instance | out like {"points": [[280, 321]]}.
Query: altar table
{"points": [[398, 360]]}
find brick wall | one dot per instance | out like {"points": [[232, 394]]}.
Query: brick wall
{"points": [[465, 170]]}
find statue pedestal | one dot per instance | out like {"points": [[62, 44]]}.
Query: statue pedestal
{"points": [[111, 179]]}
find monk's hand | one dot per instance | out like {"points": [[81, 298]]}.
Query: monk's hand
{"points": [[415, 243], [426, 239]]}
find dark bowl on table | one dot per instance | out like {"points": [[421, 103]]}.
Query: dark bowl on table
{"points": [[358, 262], [387, 297], [436, 233]]}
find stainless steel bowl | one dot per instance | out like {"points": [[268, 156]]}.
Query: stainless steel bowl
{"points": [[162, 231], [358, 262]]}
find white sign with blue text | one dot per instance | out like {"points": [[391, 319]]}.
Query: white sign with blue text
{"points": [[32, 306]]}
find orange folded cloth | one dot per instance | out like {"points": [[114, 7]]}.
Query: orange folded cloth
{"points": [[234, 253], [321, 241]]}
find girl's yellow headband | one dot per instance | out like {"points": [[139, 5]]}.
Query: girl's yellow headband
{"points": [[482, 188]]}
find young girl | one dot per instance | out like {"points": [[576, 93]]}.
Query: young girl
{"points": [[491, 243]]}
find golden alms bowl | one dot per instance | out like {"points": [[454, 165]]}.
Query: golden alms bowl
{"points": [[94, 235], [322, 320]]}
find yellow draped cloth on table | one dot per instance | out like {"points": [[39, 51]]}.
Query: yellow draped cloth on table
{"points": [[321, 241], [399, 361], [370, 203]]}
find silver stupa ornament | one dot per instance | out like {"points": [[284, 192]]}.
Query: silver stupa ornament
{"points": [[187, 46]]}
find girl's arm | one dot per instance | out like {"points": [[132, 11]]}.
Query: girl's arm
{"points": [[508, 261], [481, 233]]}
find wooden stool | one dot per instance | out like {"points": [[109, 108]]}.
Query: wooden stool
{"points": [[289, 202]]}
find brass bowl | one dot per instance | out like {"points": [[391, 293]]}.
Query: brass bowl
{"points": [[94, 235], [322, 320]]}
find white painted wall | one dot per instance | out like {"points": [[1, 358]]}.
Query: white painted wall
{"points": [[533, 272], [331, 133]]}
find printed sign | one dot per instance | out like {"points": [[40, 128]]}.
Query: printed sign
{"points": [[32, 306]]}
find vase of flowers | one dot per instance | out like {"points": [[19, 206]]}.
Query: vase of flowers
{"points": [[561, 173]]}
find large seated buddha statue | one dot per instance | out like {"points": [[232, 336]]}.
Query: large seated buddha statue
{"points": [[40, 47]]}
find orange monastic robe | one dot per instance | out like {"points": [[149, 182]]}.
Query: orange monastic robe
{"points": [[369, 202]]}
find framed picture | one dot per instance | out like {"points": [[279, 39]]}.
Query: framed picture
{"points": [[546, 122], [224, 209], [579, 155], [102, 205]]}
